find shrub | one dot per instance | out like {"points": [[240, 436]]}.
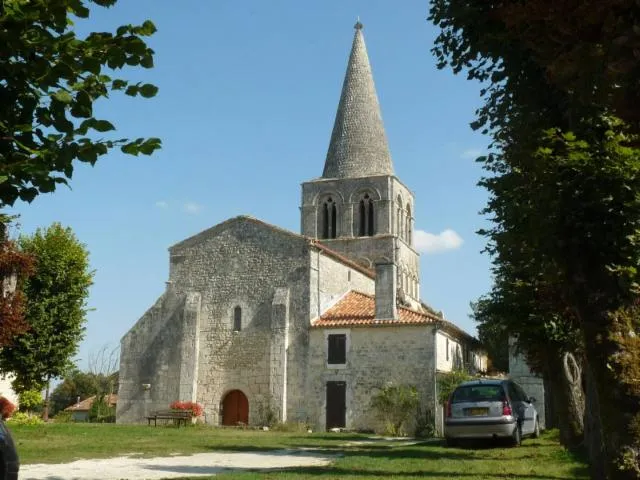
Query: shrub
{"points": [[101, 412], [63, 417], [425, 423], [30, 400], [195, 408], [21, 418], [447, 383], [393, 405], [266, 416], [6, 408]]}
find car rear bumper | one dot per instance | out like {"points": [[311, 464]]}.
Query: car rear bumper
{"points": [[467, 428]]}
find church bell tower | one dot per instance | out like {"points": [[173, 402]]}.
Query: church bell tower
{"points": [[358, 207]]}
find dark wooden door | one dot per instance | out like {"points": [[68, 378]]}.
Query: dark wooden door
{"points": [[235, 408], [336, 404]]}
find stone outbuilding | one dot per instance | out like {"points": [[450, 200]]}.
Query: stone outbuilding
{"points": [[257, 321]]}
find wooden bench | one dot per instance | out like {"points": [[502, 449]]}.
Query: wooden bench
{"points": [[178, 416]]}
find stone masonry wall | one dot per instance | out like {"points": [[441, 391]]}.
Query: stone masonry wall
{"points": [[375, 356], [532, 384], [151, 360], [241, 263], [330, 280]]}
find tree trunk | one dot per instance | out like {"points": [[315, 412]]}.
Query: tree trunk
{"points": [[45, 411], [613, 355], [593, 427], [550, 416], [567, 396]]}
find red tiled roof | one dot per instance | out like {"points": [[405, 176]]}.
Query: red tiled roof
{"points": [[358, 309], [85, 405]]}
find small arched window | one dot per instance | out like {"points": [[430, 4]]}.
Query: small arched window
{"points": [[408, 226], [366, 217], [329, 218], [400, 214], [237, 319]]}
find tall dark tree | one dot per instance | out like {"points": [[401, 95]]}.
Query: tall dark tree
{"points": [[564, 180], [50, 80], [56, 309]]}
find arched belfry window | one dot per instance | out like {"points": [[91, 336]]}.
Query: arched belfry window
{"points": [[329, 218], [366, 226], [237, 319]]}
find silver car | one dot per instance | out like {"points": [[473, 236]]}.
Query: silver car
{"points": [[490, 408]]}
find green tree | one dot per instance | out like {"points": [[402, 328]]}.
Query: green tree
{"points": [[563, 180], [49, 82], [30, 400], [75, 385], [56, 309]]}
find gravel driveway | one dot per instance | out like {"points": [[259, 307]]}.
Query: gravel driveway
{"points": [[199, 464]]}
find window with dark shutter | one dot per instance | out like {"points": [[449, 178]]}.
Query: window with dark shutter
{"points": [[337, 349]]}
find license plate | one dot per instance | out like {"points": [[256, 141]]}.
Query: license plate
{"points": [[476, 412]]}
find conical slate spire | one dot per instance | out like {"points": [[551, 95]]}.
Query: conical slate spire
{"points": [[358, 146]]}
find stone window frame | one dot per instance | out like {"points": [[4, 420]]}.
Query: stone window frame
{"points": [[347, 348], [366, 215], [328, 217]]}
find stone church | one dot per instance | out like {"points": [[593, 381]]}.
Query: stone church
{"points": [[258, 320]]}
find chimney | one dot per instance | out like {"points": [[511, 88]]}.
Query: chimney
{"points": [[386, 285]]}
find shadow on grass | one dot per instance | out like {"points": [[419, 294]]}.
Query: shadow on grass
{"points": [[337, 472]]}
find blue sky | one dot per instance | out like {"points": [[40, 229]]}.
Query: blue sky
{"points": [[248, 94]]}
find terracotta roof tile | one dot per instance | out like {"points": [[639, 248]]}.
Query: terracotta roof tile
{"points": [[85, 405], [358, 309]]}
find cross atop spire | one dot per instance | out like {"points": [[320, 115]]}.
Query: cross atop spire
{"points": [[358, 146], [358, 25]]}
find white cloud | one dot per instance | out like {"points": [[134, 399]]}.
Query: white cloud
{"points": [[426, 242], [471, 153], [162, 204], [192, 208]]}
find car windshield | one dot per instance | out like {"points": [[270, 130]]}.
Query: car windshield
{"points": [[478, 393]]}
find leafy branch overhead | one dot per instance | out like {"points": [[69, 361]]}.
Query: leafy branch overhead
{"points": [[49, 82]]}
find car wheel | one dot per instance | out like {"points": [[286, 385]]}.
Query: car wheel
{"points": [[451, 442], [516, 436], [536, 430]]}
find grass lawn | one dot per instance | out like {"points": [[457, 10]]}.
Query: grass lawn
{"points": [[358, 458]]}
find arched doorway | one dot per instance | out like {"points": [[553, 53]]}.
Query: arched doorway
{"points": [[235, 408]]}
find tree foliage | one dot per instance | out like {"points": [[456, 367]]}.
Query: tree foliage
{"points": [[15, 267], [448, 381], [77, 384], [562, 174], [30, 400], [56, 308], [49, 82]]}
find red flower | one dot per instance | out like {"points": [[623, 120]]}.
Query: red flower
{"points": [[195, 408], [6, 408]]}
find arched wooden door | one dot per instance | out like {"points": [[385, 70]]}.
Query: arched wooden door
{"points": [[235, 408]]}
